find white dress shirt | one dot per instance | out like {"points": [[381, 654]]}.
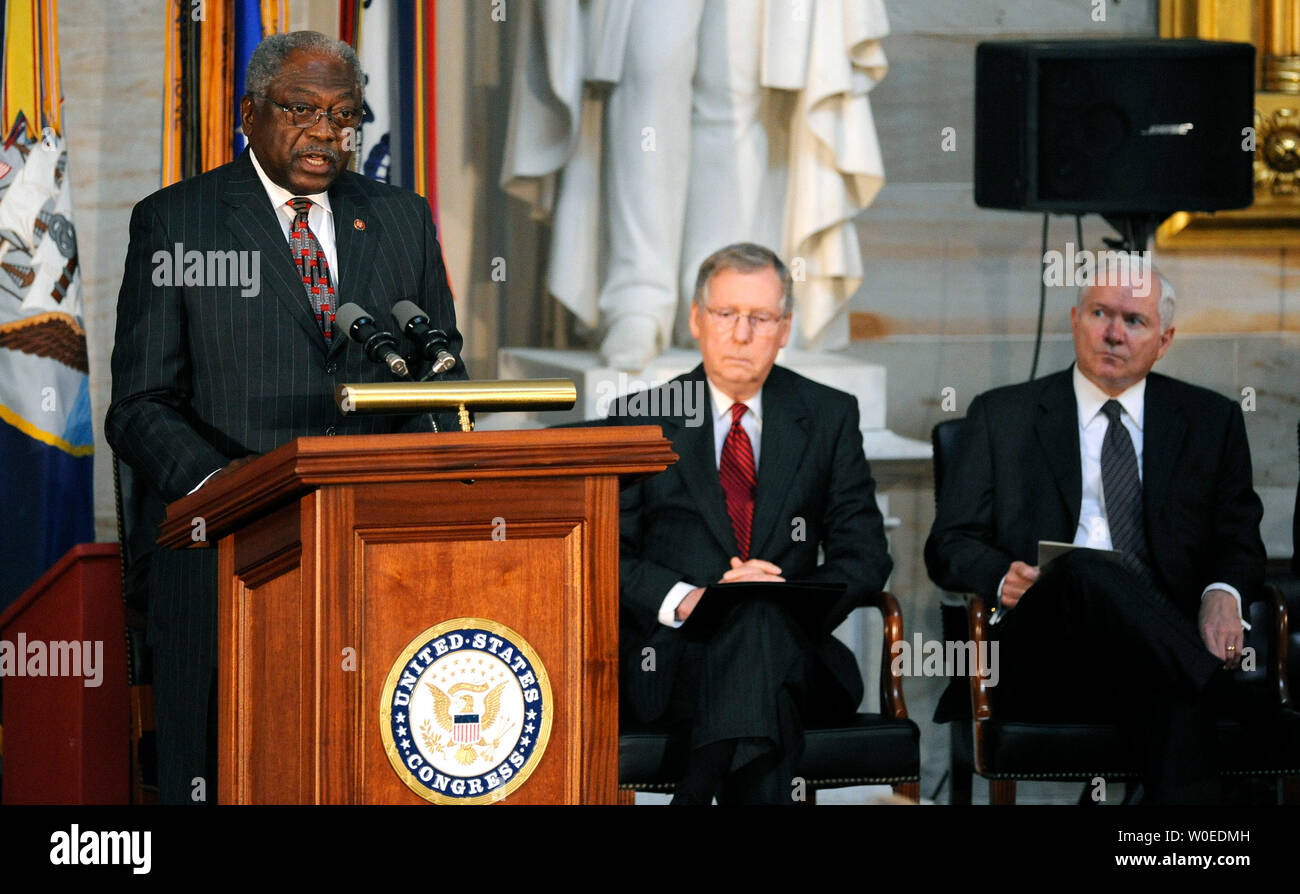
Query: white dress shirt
{"points": [[320, 217], [752, 423]]}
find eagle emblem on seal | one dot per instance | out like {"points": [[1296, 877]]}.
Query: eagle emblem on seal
{"points": [[469, 727]]}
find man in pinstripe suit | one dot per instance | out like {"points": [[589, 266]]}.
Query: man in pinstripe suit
{"points": [[206, 375]]}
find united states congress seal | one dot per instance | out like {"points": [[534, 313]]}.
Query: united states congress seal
{"points": [[466, 712]]}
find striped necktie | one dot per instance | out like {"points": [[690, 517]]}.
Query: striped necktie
{"points": [[1122, 491], [736, 473]]}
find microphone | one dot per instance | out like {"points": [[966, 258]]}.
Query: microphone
{"points": [[430, 343], [380, 346]]}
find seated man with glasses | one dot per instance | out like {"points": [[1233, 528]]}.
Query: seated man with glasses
{"points": [[209, 372], [770, 472]]}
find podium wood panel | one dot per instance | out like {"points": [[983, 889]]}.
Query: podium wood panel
{"points": [[328, 578], [536, 558], [273, 663], [67, 742]]}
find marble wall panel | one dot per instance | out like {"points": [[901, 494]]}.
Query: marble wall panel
{"points": [[1013, 18], [112, 115]]}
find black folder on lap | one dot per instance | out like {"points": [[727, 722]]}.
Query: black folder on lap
{"points": [[810, 604]]}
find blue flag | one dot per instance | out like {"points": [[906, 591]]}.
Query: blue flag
{"points": [[248, 34]]}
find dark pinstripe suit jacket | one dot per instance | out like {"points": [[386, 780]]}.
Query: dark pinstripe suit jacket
{"points": [[203, 374], [674, 526]]}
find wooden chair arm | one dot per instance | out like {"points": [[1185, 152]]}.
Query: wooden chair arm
{"points": [[891, 684], [980, 691], [1281, 633], [977, 620]]}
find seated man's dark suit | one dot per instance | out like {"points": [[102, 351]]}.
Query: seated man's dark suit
{"points": [[203, 375], [760, 679], [1089, 632]]}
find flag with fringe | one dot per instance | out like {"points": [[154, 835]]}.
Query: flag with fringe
{"points": [[46, 441]]}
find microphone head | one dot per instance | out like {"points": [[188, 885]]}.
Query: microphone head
{"points": [[407, 312], [350, 314]]}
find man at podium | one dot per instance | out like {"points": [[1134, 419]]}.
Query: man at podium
{"points": [[208, 371], [771, 470]]}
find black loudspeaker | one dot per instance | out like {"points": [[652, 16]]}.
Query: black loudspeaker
{"points": [[1114, 126]]}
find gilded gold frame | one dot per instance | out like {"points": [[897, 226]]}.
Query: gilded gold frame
{"points": [[1273, 221]]}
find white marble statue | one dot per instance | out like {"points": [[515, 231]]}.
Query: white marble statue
{"points": [[653, 132]]}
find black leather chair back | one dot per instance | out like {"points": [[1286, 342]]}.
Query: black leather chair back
{"points": [[944, 437], [1260, 637], [954, 703]]}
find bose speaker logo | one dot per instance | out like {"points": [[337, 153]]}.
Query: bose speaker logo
{"points": [[1168, 130]]}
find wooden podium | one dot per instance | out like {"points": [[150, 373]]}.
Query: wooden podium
{"points": [[336, 554]]}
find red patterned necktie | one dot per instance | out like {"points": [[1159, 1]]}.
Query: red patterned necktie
{"points": [[736, 473], [312, 267]]}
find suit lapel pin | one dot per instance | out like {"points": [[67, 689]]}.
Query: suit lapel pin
{"points": [[358, 224]]}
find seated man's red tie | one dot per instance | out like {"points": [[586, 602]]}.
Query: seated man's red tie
{"points": [[736, 472]]}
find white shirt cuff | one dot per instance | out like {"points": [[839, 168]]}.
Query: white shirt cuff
{"points": [[204, 481], [996, 614], [1228, 588], [668, 608]]}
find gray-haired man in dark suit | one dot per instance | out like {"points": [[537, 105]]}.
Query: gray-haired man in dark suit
{"points": [[1111, 456], [771, 471]]}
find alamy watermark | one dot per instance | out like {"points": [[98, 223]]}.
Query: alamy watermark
{"points": [[631, 398], [1081, 268], [953, 658], [179, 267], [57, 658], [78, 847]]}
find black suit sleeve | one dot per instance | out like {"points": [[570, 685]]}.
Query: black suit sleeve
{"points": [[149, 424], [1239, 557], [853, 544], [643, 583], [436, 300], [960, 554]]}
